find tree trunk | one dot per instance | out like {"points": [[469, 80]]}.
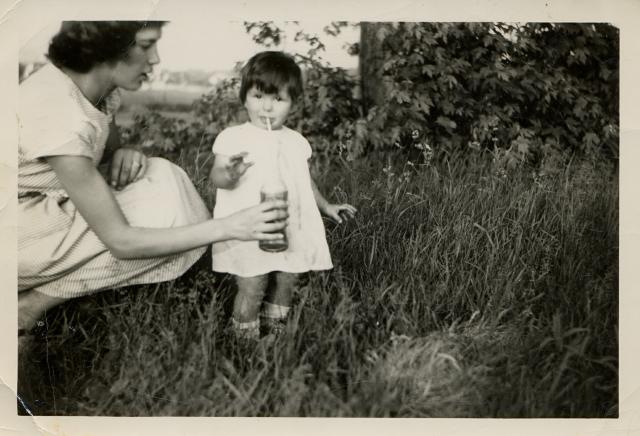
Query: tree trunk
{"points": [[370, 62]]}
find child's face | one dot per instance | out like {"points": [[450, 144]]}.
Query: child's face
{"points": [[261, 106]]}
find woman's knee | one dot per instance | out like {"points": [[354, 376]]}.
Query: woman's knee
{"points": [[164, 197], [158, 163], [160, 169]]}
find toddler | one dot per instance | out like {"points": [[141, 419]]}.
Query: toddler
{"points": [[245, 156]]}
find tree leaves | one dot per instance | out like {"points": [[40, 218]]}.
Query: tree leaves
{"points": [[446, 122], [591, 140], [550, 79], [513, 87]]}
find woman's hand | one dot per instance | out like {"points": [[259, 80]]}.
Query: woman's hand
{"points": [[258, 222], [340, 212], [127, 166]]}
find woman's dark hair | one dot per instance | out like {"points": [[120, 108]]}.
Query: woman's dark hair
{"points": [[81, 45], [270, 71]]}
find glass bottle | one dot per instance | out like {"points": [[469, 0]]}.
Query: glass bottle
{"points": [[273, 188]]}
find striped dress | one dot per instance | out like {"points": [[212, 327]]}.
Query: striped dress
{"points": [[58, 254]]}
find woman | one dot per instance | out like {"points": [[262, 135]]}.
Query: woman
{"points": [[80, 233]]}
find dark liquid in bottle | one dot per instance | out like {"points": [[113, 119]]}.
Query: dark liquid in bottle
{"points": [[276, 245]]}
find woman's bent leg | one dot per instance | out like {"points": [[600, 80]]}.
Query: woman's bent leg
{"points": [[32, 305], [67, 260]]}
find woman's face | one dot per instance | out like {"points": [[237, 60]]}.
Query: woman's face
{"points": [[129, 73], [261, 106]]}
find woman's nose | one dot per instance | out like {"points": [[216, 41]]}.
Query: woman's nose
{"points": [[154, 57]]}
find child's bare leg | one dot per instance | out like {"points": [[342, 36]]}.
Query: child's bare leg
{"points": [[281, 293], [275, 309], [246, 306]]}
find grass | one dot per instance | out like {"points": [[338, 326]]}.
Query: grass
{"points": [[456, 292]]}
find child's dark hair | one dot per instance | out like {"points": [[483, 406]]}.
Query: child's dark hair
{"points": [[269, 72]]}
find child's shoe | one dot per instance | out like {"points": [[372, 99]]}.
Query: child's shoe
{"points": [[244, 340], [273, 319], [272, 326]]}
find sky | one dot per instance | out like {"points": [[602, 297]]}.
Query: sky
{"points": [[204, 44]]}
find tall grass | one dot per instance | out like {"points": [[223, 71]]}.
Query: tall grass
{"points": [[456, 292]]}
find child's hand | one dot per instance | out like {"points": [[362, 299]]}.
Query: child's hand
{"points": [[340, 212], [227, 170], [237, 166]]}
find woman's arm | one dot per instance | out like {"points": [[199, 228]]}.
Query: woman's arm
{"points": [[96, 203], [113, 142]]}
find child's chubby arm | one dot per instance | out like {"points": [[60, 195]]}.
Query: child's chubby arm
{"points": [[337, 212], [227, 170]]}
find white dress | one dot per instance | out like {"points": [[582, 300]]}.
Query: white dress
{"points": [[308, 249], [58, 254]]}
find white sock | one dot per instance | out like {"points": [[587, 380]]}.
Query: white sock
{"points": [[250, 329], [270, 310]]}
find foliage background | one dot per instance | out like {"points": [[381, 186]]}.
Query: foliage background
{"points": [[530, 93]]}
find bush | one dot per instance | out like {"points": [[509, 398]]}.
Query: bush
{"points": [[530, 89], [529, 93]]}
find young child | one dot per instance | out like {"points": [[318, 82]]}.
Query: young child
{"points": [[245, 156]]}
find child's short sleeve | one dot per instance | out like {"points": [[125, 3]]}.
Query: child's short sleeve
{"points": [[225, 143], [305, 147]]}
